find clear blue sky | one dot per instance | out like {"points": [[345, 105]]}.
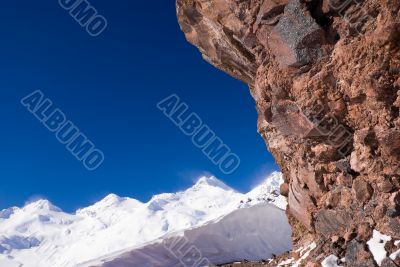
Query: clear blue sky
{"points": [[109, 87]]}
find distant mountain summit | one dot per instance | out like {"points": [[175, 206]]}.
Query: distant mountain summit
{"points": [[211, 181]]}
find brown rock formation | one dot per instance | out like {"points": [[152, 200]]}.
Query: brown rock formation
{"points": [[325, 75]]}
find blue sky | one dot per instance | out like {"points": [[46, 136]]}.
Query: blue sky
{"points": [[109, 87]]}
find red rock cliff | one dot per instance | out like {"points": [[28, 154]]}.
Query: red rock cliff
{"points": [[325, 75]]}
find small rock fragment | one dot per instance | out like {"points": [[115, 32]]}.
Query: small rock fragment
{"points": [[364, 232], [362, 190], [284, 189]]}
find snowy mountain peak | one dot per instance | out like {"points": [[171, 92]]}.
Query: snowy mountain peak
{"points": [[41, 204], [111, 200], [211, 181]]}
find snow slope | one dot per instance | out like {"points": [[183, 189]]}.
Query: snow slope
{"points": [[42, 235], [252, 233]]}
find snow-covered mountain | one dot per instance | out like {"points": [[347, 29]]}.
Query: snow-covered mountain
{"points": [[268, 191], [42, 235]]}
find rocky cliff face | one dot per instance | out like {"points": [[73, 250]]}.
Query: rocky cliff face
{"points": [[325, 75]]}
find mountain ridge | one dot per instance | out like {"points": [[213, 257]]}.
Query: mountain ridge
{"points": [[115, 223]]}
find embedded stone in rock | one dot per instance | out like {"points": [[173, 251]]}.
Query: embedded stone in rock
{"points": [[359, 160], [343, 165], [345, 180], [362, 190], [300, 203], [388, 263], [295, 40], [324, 152], [269, 10], [284, 189], [364, 232], [331, 222], [358, 255], [290, 121], [394, 226], [390, 141], [332, 199], [385, 185], [395, 200], [314, 185]]}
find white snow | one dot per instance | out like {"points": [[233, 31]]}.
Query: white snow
{"points": [[244, 234], [377, 246], [286, 262], [304, 253], [42, 235], [330, 261]]}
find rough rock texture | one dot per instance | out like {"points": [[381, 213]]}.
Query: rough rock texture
{"points": [[325, 75]]}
